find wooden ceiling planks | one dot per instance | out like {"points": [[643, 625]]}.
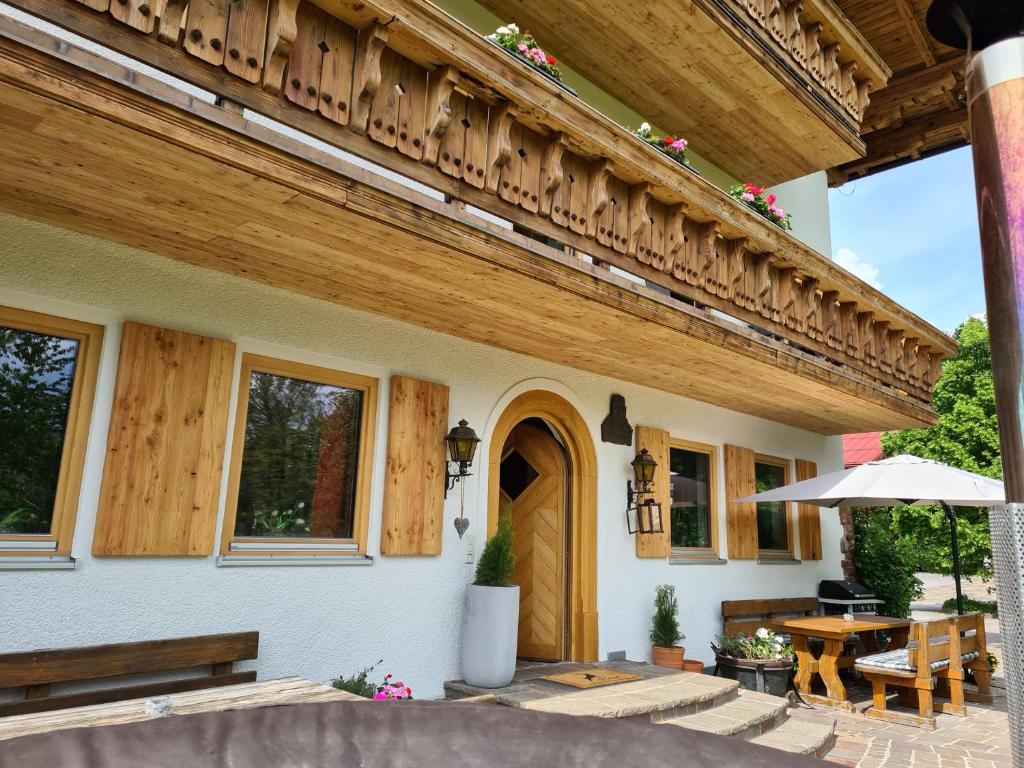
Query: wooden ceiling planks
{"points": [[204, 195], [921, 111]]}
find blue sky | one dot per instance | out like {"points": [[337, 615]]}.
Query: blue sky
{"points": [[913, 232]]}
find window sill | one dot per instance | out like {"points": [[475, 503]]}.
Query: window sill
{"points": [[38, 563], [235, 560], [778, 561], [684, 559]]}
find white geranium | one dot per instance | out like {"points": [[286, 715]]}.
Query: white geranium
{"points": [[763, 633], [502, 30], [513, 29], [645, 127]]}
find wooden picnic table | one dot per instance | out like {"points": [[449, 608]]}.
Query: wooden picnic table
{"points": [[263, 693], [834, 631]]}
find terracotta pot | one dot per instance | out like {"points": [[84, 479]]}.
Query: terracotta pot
{"points": [[693, 665], [668, 657]]}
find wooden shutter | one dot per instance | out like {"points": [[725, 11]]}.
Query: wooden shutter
{"points": [[656, 443], [809, 516], [413, 516], [165, 448], [741, 519]]}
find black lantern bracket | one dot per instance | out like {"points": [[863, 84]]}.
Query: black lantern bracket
{"points": [[643, 513], [462, 443]]}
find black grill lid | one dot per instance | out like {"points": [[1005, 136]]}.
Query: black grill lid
{"points": [[843, 589]]}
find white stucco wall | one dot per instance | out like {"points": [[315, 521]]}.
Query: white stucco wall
{"points": [[807, 199], [327, 620]]}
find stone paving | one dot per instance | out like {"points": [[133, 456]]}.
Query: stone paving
{"points": [[979, 740]]}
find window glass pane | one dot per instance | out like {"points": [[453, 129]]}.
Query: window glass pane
{"points": [[771, 516], [36, 376], [691, 498], [300, 459]]}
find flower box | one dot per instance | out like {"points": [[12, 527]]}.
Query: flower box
{"points": [[522, 46], [761, 675], [673, 148], [755, 199]]}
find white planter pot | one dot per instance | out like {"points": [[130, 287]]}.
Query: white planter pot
{"points": [[490, 633]]}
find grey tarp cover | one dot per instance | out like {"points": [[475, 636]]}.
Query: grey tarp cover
{"points": [[392, 734]]}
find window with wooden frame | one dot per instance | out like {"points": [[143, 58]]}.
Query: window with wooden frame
{"points": [[774, 531], [48, 368], [693, 480], [301, 460]]}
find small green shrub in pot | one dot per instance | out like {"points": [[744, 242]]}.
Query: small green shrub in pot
{"points": [[665, 632], [490, 623], [498, 560]]}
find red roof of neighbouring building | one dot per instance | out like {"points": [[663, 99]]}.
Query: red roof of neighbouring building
{"points": [[861, 448]]}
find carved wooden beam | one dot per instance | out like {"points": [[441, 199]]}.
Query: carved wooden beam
{"points": [[811, 305], [762, 276], [866, 336], [795, 32], [707, 253], [639, 215], [830, 319], [675, 236], [812, 47], [439, 110], [499, 143], [893, 340], [910, 359], [370, 45], [934, 368], [881, 345], [169, 29], [598, 195], [731, 276], [924, 352], [551, 173], [830, 70], [848, 327], [785, 296]]}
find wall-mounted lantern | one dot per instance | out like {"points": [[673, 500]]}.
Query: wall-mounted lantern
{"points": [[462, 442], [643, 513]]}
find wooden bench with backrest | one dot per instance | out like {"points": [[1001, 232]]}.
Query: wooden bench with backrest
{"points": [[747, 616], [933, 663], [38, 671]]}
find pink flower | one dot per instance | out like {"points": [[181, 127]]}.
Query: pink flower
{"points": [[522, 48], [748, 196], [379, 696], [679, 145], [770, 199], [780, 213]]}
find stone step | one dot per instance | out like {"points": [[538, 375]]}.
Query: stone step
{"points": [[800, 737], [747, 716]]}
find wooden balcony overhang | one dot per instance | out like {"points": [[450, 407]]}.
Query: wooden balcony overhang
{"points": [[144, 165], [739, 78]]}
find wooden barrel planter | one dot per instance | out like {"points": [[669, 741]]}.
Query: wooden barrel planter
{"points": [[761, 675]]}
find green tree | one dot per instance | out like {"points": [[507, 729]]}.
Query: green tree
{"points": [[965, 436]]}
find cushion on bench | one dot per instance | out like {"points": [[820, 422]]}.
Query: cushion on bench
{"points": [[900, 660]]}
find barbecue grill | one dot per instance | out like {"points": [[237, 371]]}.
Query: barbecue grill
{"points": [[839, 596]]}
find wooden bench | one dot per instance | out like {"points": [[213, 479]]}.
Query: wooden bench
{"points": [[37, 671], [747, 616], [933, 663]]}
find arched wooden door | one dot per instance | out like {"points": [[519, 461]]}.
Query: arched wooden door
{"points": [[534, 484]]}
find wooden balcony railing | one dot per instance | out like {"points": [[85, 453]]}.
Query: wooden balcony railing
{"points": [[410, 88], [822, 44]]}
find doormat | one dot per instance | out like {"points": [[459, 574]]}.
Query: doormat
{"points": [[592, 677]]}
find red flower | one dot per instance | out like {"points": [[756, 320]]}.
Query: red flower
{"points": [[400, 684], [552, 61], [771, 199], [668, 140], [408, 691]]}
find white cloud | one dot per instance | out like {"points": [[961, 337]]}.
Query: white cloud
{"points": [[865, 270]]}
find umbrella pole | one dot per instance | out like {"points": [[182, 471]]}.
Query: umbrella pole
{"points": [[955, 552]]}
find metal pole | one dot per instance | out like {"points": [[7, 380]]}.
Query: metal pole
{"points": [[955, 552], [995, 92]]}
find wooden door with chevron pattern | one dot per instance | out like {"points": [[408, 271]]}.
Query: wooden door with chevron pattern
{"points": [[534, 484]]}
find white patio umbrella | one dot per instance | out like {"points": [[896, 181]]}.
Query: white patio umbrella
{"points": [[903, 479]]}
